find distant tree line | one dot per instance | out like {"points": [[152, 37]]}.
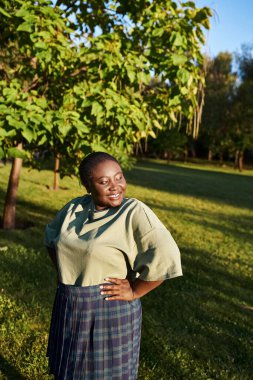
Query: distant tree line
{"points": [[226, 129]]}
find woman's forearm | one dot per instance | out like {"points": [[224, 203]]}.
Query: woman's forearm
{"points": [[52, 254], [140, 287]]}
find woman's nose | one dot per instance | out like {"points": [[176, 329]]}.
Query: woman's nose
{"points": [[113, 185]]}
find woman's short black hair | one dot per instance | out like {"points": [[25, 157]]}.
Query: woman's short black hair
{"points": [[89, 163]]}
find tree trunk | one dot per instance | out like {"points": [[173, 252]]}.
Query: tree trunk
{"points": [[210, 155], [9, 215], [221, 158], [240, 161], [146, 145], [236, 161], [56, 172], [193, 152], [167, 155], [186, 154]]}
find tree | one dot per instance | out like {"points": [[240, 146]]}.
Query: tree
{"points": [[242, 131], [75, 75], [216, 117], [35, 49], [169, 143]]}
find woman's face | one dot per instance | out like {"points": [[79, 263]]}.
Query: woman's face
{"points": [[107, 185]]}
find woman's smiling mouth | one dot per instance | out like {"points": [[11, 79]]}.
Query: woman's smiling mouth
{"points": [[114, 196]]}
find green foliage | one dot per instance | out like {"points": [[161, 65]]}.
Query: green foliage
{"points": [[227, 122], [242, 111], [198, 326], [67, 89], [216, 118], [169, 143]]}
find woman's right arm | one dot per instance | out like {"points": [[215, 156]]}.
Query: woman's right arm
{"points": [[52, 254]]}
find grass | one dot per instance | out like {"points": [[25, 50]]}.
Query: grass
{"points": [[199, 326]]}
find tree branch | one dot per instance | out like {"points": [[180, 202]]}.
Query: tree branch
{"points": [[33, 84], [78, 71]]}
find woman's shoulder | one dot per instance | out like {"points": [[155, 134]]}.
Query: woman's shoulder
{"points": [[142, 212], [81, 200], [76, 203], [138, 205]]}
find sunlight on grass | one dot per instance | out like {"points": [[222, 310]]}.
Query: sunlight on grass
{"points": [[199, 326]]}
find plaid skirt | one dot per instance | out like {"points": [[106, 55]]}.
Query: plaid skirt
{"points": [[93, 339]]}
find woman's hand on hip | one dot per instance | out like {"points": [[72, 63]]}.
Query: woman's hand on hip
{"points": [[118, 289]]}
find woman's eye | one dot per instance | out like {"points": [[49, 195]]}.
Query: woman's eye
{"points": [[103, 182], [119, 178]]}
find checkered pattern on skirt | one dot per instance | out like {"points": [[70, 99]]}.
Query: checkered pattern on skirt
{"points": [[93, 339]]}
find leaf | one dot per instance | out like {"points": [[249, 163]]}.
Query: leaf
{"points": [[15, 123], [16, 153], [157, 124], [41, 102], [28, 134], [3, 132], [25, 27], [96, 109], [120, 119], [42, 140], [190, 4], [97, 147], [41, 45], [64, 129], [82, 128], [178, 59], [44, 34], [11, 133], [184, 90], [10, 93], [172, 116], [22, 12], [174, 101], [109, 104], [130, 73], [176, 39], [86, 103], [183, 75], [1, 153], [158, 32], [143, 77], [4, 12], [152, 134]]}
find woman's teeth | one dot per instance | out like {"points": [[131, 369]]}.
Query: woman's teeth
{"points": [[114, 196]]}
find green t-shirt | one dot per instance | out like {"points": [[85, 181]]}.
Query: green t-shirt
{"points": [[116, 242]]}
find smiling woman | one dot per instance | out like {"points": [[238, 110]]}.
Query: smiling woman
{"points": [[107, 185], [109, 251]]}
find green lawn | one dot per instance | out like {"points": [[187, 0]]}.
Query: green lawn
{"points": [[199, 326]]}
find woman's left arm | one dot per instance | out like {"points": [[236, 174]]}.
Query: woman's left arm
{"points": [[122, 290]]}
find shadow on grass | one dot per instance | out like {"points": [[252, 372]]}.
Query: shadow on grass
{"points": [[199, 318], [9, 372], [238, 226], [26, 272], [228, 188]]}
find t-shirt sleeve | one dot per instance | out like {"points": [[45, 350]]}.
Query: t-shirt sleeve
{"points": [[157, 254]]}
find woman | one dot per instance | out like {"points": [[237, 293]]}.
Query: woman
{"points": [[109, 251]]}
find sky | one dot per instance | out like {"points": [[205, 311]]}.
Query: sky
{"points": [[231, 25]]}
